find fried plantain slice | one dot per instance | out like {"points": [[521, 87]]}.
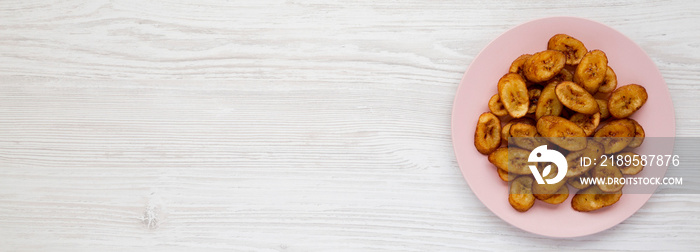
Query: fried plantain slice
{"points": [[525, 136], [576, 181], [609, 82], [496, 106], [626, 100], [541, 196], [592, 151], [587, 122], [603, 108], [564, 75], [548, 103], [546, 191], [488, 133], [505, 176], [571, 47], [572, 69], [607, 171], [630, 165], [520, 194], [518, 63], [592, 198], [544, 65], [559, 197], [512, 160], [513, 93], [562, 132], [591, 71], [638, 135], [523, 130], [576, 98], [505, 131], [534, 95], [616, 135]]}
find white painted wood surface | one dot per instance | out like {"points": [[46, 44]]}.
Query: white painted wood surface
{"points": [[280, 125]]}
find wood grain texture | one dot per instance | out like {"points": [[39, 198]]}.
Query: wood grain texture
{"points": [[280, 125]]}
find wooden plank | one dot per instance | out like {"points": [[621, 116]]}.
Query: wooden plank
{"points": [[280, 125]]}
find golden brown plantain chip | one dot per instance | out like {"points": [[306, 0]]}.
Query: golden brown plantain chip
{"points": [[564, 75], [603, 106], [518, 63], [609, 82], [525, 136], [630, 165], [546, 191], [593, 151], [576, 182], [544, 65], [587, 122], [520, 194], [591, 71], [512, 160], [496, 106], [576, 98], [559, 197], [488, 133], [534, 94], [592, 198], [513, 93], [548, 103], [616, 135], [505, 131], [638, 135], [607, 171], [626, 100], [562, 132], [571, 47], [505, 176]]}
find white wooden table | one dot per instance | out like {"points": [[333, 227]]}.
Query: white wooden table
{"points": [[280, 125]]}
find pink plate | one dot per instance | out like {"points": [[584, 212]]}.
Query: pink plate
{"points": [[631, 64]]}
